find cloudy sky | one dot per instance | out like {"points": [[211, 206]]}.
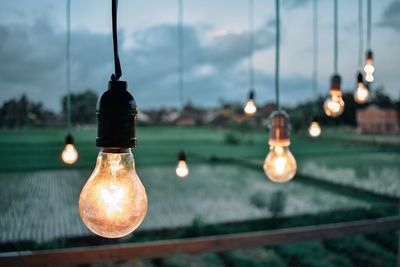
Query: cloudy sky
{"points": [[32, 48]]}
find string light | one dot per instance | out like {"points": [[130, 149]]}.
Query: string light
{"points": [[361, 92], [315, 129], [279, 165], [69, 155], [182, 169], [113, 202], [369, 68], [250, 107], [334, 104]]}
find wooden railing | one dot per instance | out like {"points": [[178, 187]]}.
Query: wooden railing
{"points": [[167, 248]]}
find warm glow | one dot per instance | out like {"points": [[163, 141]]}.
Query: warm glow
{"points": [[369, 77], [182, 169], [280, 165], [250, 108], [69, 155], [361, 94], [369, 71], [314, 130], [113, 202], [334, 104]]}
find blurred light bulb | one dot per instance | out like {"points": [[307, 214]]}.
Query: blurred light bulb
{"points": [[334, 105], [314, 130], [113, 202], [369, 77], [280, 165], [182, 169], [250, 108], [69, 155], [369, 67], [361, 94]]}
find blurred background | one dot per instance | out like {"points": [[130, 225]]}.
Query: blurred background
{"points": [[351, 172]]}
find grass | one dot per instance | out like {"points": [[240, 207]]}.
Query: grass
{"points": [[39, 149]]}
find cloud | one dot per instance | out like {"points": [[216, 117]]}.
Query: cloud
{"points": [[293, 4], [33, 62], [391, 16]]}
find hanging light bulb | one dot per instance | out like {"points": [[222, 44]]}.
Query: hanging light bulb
{"points": [[69, 155], [361, 93], [279, 165], [314, 130], [182, 169], [250, 107], [369, 68], [113, 201], [334, 104]]}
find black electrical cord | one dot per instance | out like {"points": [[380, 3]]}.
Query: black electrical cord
{"points": [[369, 18], [277, 43], [335, 36], [360, 33], [315, 55], [251, 45], [180, 52], [118, 71], [68, 65]]}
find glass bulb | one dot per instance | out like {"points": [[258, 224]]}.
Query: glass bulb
{"points": [[182, 169], [369, 71], [250, 108], [280, 165], [361, 94], [334, 105], [314, 130], [113, 202], [69, 155], [369, 77]]}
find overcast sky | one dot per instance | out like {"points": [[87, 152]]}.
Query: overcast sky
{"points": [[32, 48]]}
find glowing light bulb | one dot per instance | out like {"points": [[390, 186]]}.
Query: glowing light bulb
{"points": [[334, 105], [314, 130], [280, 165], [361, 94], [69, 155], [113, 202], [182, 169], [250, 108], [369, 68]]}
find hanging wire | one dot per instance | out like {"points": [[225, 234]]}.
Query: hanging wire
{"points": [[68, 66], [315, 54], [180, 51], [360, 33], [369, 17], [251, 45], [335, 36], [118, 71], [277, 43]]}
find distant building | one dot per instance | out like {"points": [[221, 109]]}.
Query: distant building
{"points": [[374, 119]]}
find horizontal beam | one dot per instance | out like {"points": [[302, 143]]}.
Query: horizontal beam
{"points": [[167, 248]]}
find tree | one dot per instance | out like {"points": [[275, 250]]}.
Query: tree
{"points": [[83, 107]]}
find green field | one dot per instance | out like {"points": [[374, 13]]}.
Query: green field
{"points": [[351, 178], [27, 150]]}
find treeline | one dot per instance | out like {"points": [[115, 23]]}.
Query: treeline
{"points": [[22, 112], [301, 115]]}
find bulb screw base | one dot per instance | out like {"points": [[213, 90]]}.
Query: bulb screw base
{"points": [[279, 129], [360, 78], [69, 140], [335, 82], [116, 117], [182, 156], [251, 94]]}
